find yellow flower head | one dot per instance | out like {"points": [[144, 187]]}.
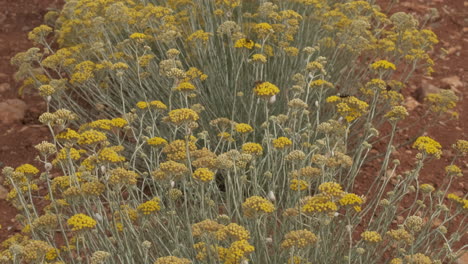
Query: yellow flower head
{"points": [[319, 203], [331, 189], [183, 115], [281, 142], [299, 239], [263, 29], [383, 65], [80, 222], [252, 148], [142, 105], [232, 231], [158, 105], [119, 122], [256, 205], [428, 146], [453, 170], [243, 128], [185, 87], [172, 260], [266, 89], [27, 169], [203, 174], [91, 136], [156, 141], [353, 200], [350, 107], [150, 206], [461, 146], [397, 113], [259, 58], [298, 185], [371, 236], [244, 43]]}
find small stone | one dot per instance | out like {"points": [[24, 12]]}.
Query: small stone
{"points": [[424, 89], [3, 193], [410, 103], [3, 76], [12, 110], [4, 87], [463, 259], [453, 82]]}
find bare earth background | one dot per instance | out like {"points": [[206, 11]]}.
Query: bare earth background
{"points": [[20, 130]]}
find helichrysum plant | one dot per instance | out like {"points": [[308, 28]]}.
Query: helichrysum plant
{"points": [[228, 132]]}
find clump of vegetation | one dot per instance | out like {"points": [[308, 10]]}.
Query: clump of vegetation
{"points": [[228, 131]]}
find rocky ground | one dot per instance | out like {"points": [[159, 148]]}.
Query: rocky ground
{"points": [[20, 130]]}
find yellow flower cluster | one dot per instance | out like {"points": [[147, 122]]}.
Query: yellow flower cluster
{"points": [[39, 33], [331, 189], [121, 176], [173, 168], [428, 146], [426, 188], [68, 135], [91, 137], [83, 72], [139, 36], [203, 174], [418, 258], [266, 89], [442, 102], [156, 141], [27, 169], [232, 231], [259, 58], [318, 204], [81, 221], [353, 200], [263, 29], [150, 206], [142, 105], [400, 235], [237, 252], [383, 65], [298, 185], [200, 35], [298, 239], [461, 146], [458, 199], [320, 83], [453, 170], [185, 87], [371, 236], [158, 105], [176, 150], [252, 148], [256, 205], [244, 43], [183, 115], [111, 154], [397, 113], [281, 142], [350, 107], [243, 128], [206, 227], [172, 260]]}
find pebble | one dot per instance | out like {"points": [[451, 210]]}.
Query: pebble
{"points": [[12, 110], [3, 193], [4, 87]]}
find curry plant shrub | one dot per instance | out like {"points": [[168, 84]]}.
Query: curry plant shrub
{"points": [[229, 132]]}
